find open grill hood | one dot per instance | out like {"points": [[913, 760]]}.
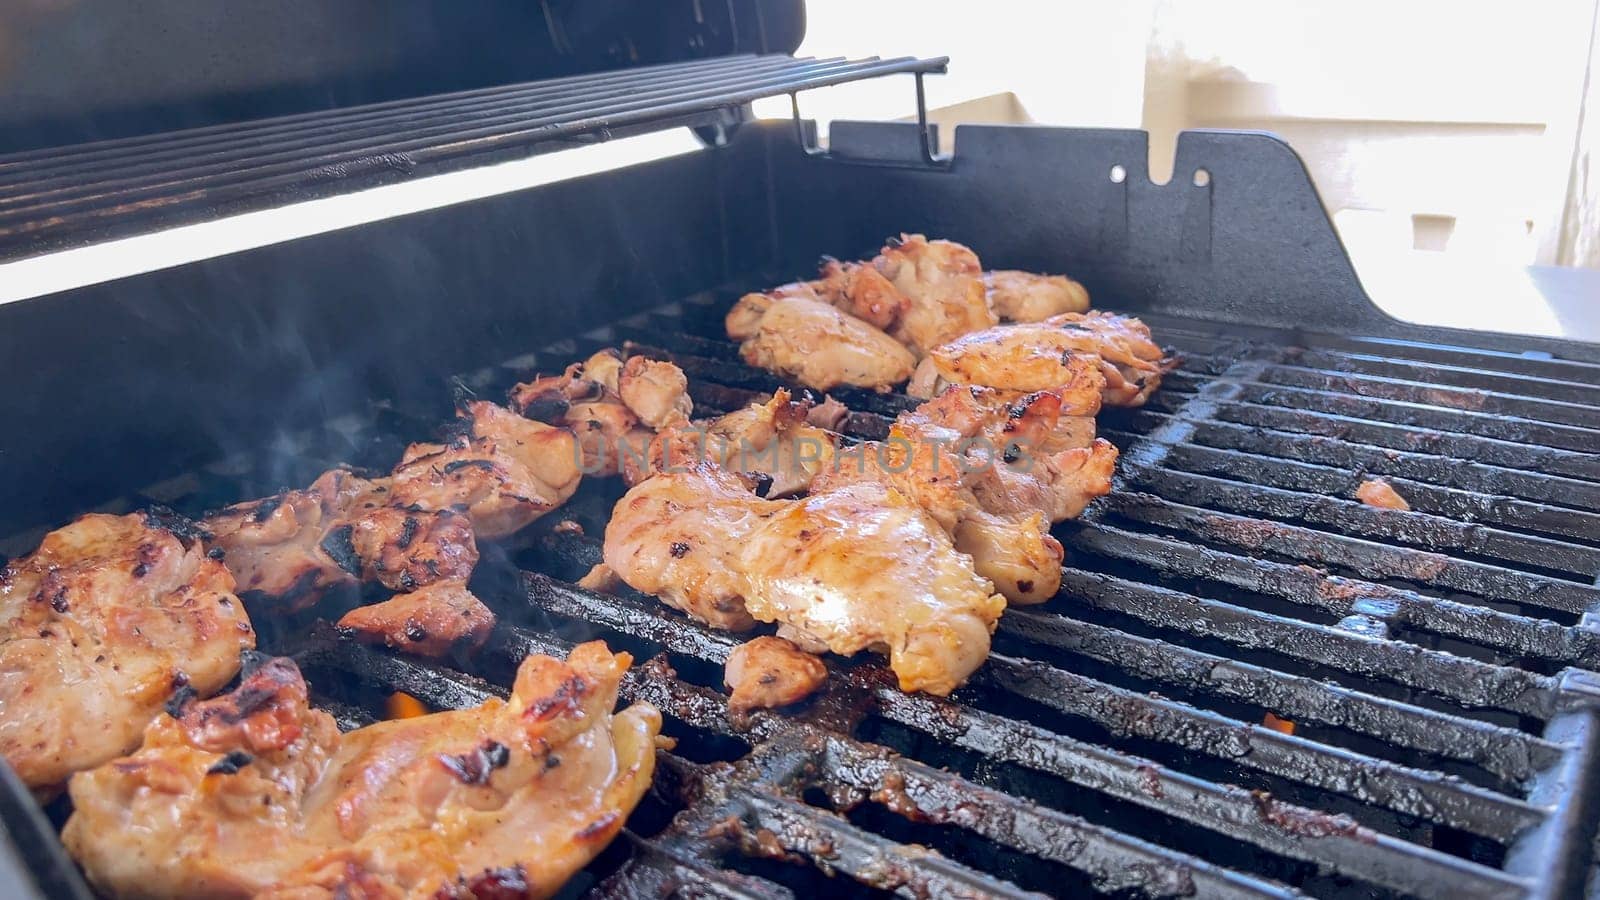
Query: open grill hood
{"points": [[1439, 665]]}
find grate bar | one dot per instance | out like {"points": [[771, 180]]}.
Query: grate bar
{"points": [[1474, 448], [1536, 365], [1443, 471], [1505, 753], [1352, 518], [1367, 559], [1339, 597], [1455, 376], [1466, 682], [1400, 789], [1526, 409], [1408, 792], [1424, 416], [1232, 811], [866, 857], [1456, 504]]}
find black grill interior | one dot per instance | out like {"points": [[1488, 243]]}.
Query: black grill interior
{"points": [[1433, 663], [1438, 666]]}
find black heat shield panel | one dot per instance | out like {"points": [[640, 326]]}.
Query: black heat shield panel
{"points": [[1253, 247], [97, 69]]}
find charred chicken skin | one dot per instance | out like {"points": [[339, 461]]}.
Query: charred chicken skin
{"points": [[102, 624], [857, 568], [257, 794]]}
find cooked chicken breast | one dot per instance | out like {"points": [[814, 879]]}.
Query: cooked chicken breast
{"points": [[860, 567], [503, 469], [1057, 352], [1027, 297], [256, 794], [431, 621], [768, 672], [816, 344], [101, 625], [865, 568], [942, 282]]}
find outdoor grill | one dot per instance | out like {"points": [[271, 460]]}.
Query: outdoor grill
{"points": [[1439, 666]]}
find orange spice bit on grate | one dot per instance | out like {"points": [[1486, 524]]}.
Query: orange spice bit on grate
{"points": [[1379, 493], [404, 706], [1282, 726]]}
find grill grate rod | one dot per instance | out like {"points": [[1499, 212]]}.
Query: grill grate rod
{"points": [[1339, 597], [1466, 682], [1368, 559], [1453, 376], [1423, 468], [1356, 519], [1460, 506], [1515, 407], [1400, 436]]}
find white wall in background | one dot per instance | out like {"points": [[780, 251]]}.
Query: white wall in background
{"points": [[1075, 62]]}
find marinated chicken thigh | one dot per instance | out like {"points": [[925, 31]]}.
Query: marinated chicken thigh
{"points": [[772, 440], [768, 672], [101, 625], [612, 407], [1026, 297], [860, 567], [942, 282], [816, 344], [257, 794], [503, 469], [1053, 353], [864, 567]]}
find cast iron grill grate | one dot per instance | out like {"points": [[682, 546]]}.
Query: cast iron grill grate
{"points": [[1437, 665]]}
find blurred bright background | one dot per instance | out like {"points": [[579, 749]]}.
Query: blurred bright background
{"points": [[1448, 140]]}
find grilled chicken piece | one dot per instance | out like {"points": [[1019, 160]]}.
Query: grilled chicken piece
{"points": [[860, 567], [1054, 353], [816, 344], [611, 407], [102, 623], [934, 454], [773, 441], [942, 282], [503, 469], [275, 546], [256, 793], [861, 290], [431, 621], [865, 568], [768, 672], [294, 547], [1379, 493], [1026, 297], [677, 536]]}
